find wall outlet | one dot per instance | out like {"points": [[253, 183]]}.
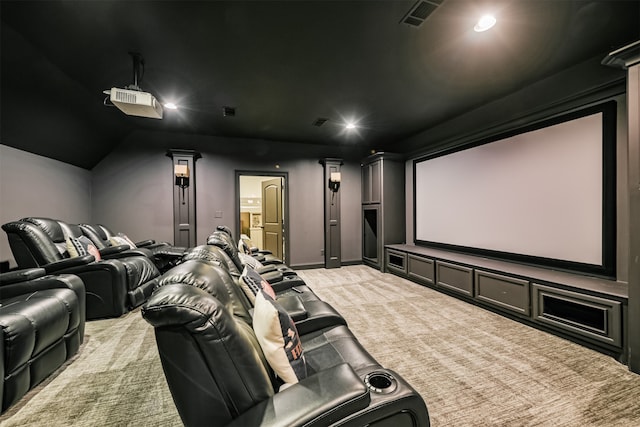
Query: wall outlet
{"points": [[322, 252], [218, 214]]}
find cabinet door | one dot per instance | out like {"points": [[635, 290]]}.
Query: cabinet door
{"points": [[366, 183], [375, 175], [372, 182]]}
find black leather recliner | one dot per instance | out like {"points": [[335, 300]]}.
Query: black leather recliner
{"points": [[278, 275], [218, 374], [265, 257], [113, 286], [163, 255], [310, 314], [281, 284], [42, 319]]}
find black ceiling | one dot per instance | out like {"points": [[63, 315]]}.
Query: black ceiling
{"points": [[282, 65]]}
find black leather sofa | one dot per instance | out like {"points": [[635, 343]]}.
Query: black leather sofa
{"points": [[113, 286], [42, 319], [218, 373]]}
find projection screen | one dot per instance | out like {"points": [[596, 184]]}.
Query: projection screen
{"points": [[542, 195]]}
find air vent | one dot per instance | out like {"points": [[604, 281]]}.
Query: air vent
{"points": [[228, 111], [128, 97], [319, 121], [420, 11]]}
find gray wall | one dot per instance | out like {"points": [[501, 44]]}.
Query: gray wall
{"points": [[32, 185], [133, 188]]}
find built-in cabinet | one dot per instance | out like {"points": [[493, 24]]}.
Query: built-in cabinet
{"points": [[589, 310], [383, 217]]}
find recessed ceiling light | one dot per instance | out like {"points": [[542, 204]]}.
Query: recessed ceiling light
{"points": [[170, 106], [350, 125], [484, 23]]}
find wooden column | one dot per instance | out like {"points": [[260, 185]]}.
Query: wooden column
{"points": [[184, 198], [628, 58], [332, 233]]}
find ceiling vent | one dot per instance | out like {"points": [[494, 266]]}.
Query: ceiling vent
{"points": [[320, 121], [420, 11], [228, 111]]}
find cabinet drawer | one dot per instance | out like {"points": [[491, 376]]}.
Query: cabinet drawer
{"points": [[589, 316], [396, 261], [503, 291], [455, 277], [421, 269]]}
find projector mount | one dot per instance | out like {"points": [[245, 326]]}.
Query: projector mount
{"points": [[131, 100], [138, 70]]}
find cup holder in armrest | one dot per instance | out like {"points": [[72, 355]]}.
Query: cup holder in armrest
{"points": [[380, 382]]}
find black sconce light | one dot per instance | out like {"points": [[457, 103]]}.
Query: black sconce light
{"points": [[334, 181], [182, 177]]}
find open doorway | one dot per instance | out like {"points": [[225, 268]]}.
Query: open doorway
{"points": [[262, 210]]}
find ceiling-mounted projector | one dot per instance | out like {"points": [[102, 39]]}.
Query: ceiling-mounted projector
{"points": [[136, 103], [132, 100]]}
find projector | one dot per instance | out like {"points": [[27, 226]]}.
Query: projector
{"points": [[135, 103]]}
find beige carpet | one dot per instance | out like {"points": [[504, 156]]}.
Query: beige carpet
{"points": [[115, 380], [473, 367]]}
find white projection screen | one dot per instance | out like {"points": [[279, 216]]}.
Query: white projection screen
{"points": [[542, 195]]}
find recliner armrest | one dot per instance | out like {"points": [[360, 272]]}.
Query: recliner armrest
{"points": [[113, 250], [143, 243], [272, 277], [321, 399], [256, 250], [17, 276], [270, 261], [128, 253], [69, 262], [68, 281], [266, 269]]}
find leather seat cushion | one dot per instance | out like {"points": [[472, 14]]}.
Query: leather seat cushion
{"points": [[331, 346], [33, 322]]}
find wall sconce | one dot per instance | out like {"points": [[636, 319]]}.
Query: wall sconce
{"points": [[334, 181], [182, 177]]}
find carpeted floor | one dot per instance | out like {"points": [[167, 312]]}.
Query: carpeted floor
{"points": [[472, 367], [115, 380]]}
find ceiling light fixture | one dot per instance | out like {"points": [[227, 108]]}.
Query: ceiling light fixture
{"points": [[350, 125], [484, 23], [170, 106]]}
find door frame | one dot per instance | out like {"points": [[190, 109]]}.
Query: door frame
{"points": [[285, 208]]}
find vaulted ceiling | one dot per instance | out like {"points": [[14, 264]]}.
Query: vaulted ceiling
{"points": [[281, 65]]}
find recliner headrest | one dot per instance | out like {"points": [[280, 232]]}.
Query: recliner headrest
{"points": [[107, 233], [224, 242], [212, 254], [92, 233], [70, 230], [50, 226], [225, 229], [214, 279], [31, 246]]}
